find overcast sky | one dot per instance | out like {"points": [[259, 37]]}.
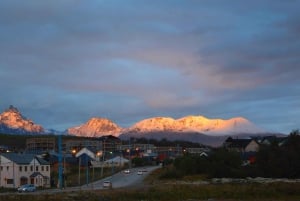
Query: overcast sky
{"points": [[65, 61]]}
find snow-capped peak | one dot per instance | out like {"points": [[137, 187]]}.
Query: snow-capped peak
{"points": [[96, 127], [12, 121]]}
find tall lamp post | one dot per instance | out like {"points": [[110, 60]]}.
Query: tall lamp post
{"points": [[103, 153], [60, 168]]}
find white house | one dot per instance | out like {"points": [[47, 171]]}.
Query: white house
{"points": [[18, 169]]}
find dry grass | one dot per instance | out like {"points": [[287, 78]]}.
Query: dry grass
{"points": [[220, 192], [187, 189]]}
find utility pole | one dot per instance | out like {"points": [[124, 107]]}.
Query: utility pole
{"points": [[113, 163], [130, 153], [14, 175], [0, 170], [87, 169], [79, 164]]}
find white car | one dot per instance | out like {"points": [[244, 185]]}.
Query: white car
{"points": [[140, 172], [27, 188], [127, 171]]}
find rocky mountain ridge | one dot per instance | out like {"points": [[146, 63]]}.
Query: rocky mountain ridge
{"points": [[12, 121]]}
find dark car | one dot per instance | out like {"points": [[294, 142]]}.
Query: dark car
{"points": [[27, 188]]}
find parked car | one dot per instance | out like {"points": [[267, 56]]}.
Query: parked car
{"points": [[27, 188], [140, 172], [107, 184]]}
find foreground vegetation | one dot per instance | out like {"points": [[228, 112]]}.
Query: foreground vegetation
{"points": [[273, 161], [176, 192]]}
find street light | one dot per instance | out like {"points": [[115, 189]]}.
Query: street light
{"points": [[103, 152]]}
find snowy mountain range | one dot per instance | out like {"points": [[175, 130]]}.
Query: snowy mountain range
{"points": [[198, 124], [191, 128]]}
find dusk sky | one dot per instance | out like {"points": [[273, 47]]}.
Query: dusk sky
{"points": [[65, 61]]}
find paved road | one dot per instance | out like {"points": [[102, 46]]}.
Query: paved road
{"points": [[118, 180], [122, 179]]}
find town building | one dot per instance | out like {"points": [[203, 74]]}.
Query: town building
{"points": [[4, 149], [241, 145], [18, 169], [110, 143], [72, 145], [40, 144]]}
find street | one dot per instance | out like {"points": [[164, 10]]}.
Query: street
{"points": [[118, 180], [122, 179]]}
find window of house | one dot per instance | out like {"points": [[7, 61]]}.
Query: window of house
{"points": [[20, 168], [10, 181], [1, 168], [25, 168], [42, 168], [7, 168], [36, 168], [47, 168], [31, 168]]}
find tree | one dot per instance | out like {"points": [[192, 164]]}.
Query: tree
{"points": [[280, 161], [224, 163]]}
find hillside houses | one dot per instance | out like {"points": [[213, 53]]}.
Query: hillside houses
{"points": [[252, 144], [241, 145], [268, 140]]}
